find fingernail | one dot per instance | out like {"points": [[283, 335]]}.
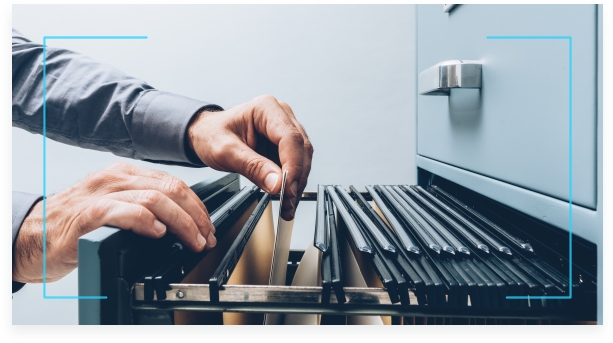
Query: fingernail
{"points": [[271, 181], [212, 240], [201, 240], [213, 230], [159, 227], [294, 188]]}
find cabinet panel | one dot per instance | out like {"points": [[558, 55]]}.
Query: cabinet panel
{"points": [[516, 128]]}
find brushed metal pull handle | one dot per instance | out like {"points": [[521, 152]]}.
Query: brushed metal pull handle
{"points": [[442, 77]]}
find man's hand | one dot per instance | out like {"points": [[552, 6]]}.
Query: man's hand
{"points": [[150, 203], [254, 139]]}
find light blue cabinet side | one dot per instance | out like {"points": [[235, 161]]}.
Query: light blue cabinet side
{"points": [[90, 274], [599, 183]]}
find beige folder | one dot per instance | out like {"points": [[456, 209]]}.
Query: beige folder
{"points": [[307, 274], [253, 268], [357, 272]]}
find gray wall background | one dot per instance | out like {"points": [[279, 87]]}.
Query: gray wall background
{"points": [[347, 71]]}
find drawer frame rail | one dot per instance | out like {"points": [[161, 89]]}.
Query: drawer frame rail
{"points": [[307, 300]]}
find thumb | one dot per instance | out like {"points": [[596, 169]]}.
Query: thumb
{"points": [[263, 172]]}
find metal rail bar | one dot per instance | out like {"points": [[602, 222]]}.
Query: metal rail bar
{"points": [[312, 196], [294, 299]]}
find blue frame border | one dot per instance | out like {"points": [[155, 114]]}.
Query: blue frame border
{"points": [[45, 38], [570, 161]]}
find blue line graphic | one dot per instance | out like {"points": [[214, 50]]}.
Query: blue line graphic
{"points": [[45, 38], [570, 162]]}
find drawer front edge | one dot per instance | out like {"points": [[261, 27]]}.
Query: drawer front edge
{"points": [[547, 209]]}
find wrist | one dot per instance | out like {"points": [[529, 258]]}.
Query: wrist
{"points": [[194, 134], [27, 248]]}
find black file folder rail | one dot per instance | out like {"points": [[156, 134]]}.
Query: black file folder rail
{"points": [[331, 274], [230, 260], [179, 262], [438, 250], [335, 257]]}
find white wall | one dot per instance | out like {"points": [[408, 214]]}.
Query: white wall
{"points": [[347, 71]]}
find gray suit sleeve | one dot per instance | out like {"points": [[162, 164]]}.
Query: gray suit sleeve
{"points": [[93, 105], [22, 203]]}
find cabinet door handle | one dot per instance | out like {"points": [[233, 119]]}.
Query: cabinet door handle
{"points": [[441, 77]]}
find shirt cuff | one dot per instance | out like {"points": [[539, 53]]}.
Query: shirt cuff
{"points": [[159, 126], [22, 203]]}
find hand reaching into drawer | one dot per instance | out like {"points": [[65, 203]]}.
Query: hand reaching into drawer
{"points": [[148, 202], [255, 139]]}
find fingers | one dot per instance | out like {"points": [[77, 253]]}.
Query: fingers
{"points": [[182, 195], [137, 205], [240, 158], [159, 175], [172, 187], [271, 121], [174, 216], [124, 215], [307, 157]]}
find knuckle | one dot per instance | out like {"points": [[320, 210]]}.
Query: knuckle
{"points": [[96, 181], [308, 147], [264, 102], [186, 222], [202, 220], [150, 198], [141, 215], [303, 130], [253, 167], [99, 177], [173, 188], [120, 166], [296, 136], [285, 106], [160, 173], [100, 208], [267, 98], [107, 180], [202, 207], [173, 219]]}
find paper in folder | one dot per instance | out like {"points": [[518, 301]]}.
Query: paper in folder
{"points": [[280, 254]]}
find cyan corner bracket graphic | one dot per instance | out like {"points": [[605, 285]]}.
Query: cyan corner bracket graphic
{"points": [[45, 38], [570, 160]]}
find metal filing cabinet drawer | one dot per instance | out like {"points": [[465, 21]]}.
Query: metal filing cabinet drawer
{"points": [[516, 127]]}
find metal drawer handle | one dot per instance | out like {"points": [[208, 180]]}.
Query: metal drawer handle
{"points": [[441, 77]]}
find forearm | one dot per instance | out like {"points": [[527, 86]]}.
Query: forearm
{"points": [[92, 105]]}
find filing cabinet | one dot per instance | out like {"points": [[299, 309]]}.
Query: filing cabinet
{"points": [[510, 136]]}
